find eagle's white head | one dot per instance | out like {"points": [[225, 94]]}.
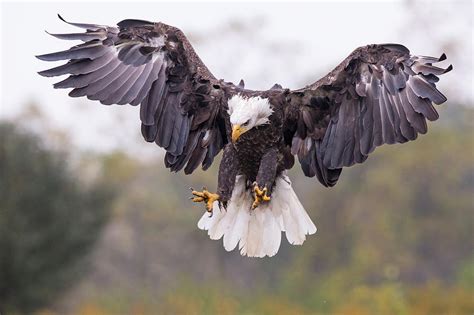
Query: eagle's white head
{"points": [[246, 113]]}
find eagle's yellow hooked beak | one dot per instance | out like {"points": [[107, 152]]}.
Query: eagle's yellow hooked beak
{"points": [[237, 131]]}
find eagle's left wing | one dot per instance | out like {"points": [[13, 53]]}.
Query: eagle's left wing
{"points": [[182, 105], [380, 94]]}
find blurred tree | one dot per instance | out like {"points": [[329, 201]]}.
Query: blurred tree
{"points": [[391, 239], [49, 221]]}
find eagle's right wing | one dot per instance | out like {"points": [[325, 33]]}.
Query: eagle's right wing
{"points": [[182, 105]]}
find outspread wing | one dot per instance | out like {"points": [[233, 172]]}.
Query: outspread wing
{"points": [[380, 94], [182, 105]]}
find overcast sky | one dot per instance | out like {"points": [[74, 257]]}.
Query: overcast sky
{"points": [[287, 43]]}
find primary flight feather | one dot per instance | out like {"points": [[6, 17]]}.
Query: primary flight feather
{"points": [[380, 94]]}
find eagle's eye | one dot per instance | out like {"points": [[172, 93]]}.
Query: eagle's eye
{"points": [[246, 123]]}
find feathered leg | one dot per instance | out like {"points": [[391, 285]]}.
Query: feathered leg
{"points": [[226, 180], [228, 170]]}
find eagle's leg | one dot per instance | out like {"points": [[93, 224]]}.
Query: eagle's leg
{"points": [[262, 188], [205, 196], [228, 170], [226, 180]]}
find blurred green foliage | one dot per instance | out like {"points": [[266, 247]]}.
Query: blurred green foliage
{"points": [[48, 221], [394, 237]]}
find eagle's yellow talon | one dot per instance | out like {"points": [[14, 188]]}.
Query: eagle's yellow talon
{"points": [[206, 197], [260, 195], [198, 193]]}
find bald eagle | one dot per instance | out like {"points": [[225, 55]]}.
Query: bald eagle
{"points": [[380, 94]]}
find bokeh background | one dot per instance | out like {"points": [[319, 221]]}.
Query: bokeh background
{"points": [[92, 223]]}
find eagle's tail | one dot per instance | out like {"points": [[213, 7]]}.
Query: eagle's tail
{"points": [[258, 232]]}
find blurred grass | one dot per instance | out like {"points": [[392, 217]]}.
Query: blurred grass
{"points": [[431, 298]]}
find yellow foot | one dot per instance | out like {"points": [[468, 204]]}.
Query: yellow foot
{"points": [[259, 196], [205, 196]]}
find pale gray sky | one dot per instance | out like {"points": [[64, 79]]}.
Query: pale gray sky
{"points": [[289, 43]]}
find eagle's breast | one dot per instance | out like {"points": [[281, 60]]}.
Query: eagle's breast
{"points": [[252, 145]]}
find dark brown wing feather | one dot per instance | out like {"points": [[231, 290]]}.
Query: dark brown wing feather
{"points": [[380, 94], [182, 105]]}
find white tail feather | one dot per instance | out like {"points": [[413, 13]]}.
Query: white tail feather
{"points": [[258, 232]]}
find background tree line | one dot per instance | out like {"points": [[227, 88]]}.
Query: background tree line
{"points": [[394, 236]]}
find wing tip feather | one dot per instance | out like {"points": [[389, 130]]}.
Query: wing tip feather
{"points": [[61, 18], [45, 73], [43, 57], [449, 68]]}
